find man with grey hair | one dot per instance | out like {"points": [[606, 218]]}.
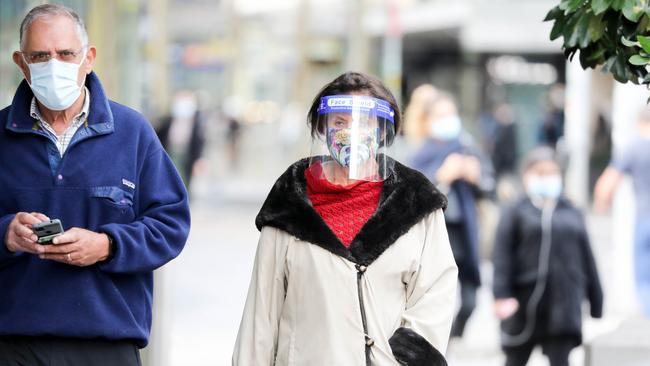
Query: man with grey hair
{"points": [[96, 168]]}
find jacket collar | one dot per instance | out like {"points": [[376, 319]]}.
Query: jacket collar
{"points": [[100, 118], [406, 198]]}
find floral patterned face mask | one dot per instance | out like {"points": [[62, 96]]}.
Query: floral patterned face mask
{"points": [[340, 145]]}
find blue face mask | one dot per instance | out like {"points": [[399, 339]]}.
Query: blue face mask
{"points": [[544, 187], [446, 129]]}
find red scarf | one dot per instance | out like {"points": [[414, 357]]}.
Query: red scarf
{"points": [[345, 209]]}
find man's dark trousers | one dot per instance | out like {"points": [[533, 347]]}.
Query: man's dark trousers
{"points": [[52, 351]]}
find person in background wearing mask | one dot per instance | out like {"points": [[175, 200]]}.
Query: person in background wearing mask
{"points": [[635, 161], [67, 152], [459, 170], [353, 265], [543, 268], [182, 134]]}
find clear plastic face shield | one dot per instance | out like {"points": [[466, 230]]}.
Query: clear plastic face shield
{"points": [[353, 135]]}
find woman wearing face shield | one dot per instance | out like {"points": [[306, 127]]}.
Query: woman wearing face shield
{"points": [[353, 266], [543, 268], [450, 160]]}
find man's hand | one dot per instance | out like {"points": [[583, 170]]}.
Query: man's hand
{"points": [[20, 237], [78, 247], [605, 188]]}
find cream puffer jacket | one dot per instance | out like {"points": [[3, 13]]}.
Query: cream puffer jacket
{"points": [[387, 299]]}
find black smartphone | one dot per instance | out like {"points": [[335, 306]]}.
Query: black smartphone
{"points": [[47, 230]]}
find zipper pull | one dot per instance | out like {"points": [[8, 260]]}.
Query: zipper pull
{"points": [[369, 342]]}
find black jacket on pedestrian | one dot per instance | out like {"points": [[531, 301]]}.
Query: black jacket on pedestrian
{"points": [[504, 155], [571, 276]]}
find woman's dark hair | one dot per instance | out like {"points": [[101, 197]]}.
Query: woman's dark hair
{"points": [[354, 82]]}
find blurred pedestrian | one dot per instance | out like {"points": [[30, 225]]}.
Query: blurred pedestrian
{"points": [[504, 151], [353, 266], [600, 154], [67, 152], [182, 134], [543, 268], [451, 161], [232, 115], [552, 125], [633, 160], [414, 130], [233, 139]]}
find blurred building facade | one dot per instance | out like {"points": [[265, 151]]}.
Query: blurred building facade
{"points": [[273, 53], [131, 47], [268, 55], [262, 62]]}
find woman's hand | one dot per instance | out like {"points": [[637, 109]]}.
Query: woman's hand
{"points": [[471, 169], [451, 169], [505, 308], [457, 166]]}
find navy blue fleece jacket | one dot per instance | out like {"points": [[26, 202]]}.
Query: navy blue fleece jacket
{"points": [[113, 178]]}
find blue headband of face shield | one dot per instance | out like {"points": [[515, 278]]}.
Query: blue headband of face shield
{"points": [[348, 103]]}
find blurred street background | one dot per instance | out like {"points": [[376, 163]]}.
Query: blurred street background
{"points": [[253, 67]]}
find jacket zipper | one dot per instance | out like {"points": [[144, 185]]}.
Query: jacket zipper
{"points": [[368, 341]]}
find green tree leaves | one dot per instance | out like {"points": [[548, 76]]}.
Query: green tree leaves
{"points": [[635, 9], [612, 34], [645, 43], [599, 6]]}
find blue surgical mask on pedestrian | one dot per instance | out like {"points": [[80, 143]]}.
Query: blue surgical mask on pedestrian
{"points": [[546, 187], [446, 129]]}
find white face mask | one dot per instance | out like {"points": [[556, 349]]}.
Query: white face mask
{"points": [[184, 108], [446, 129], [544, 187], [54, 83]]}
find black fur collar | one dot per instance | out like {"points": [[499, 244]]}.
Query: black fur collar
{"points": [[406, 198]]}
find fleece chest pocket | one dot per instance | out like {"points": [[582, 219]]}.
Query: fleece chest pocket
{"points": [[111, 204], [113, 195]]}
